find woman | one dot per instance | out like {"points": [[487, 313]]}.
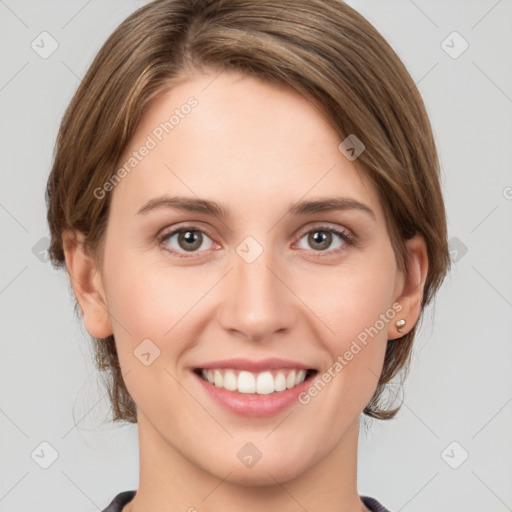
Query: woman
{"points": [[246, 197]]}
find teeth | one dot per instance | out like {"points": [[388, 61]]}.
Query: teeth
{"points": [[290, 380], [262, 383], [230, 381], [280, 382], [246, 382], [265, 384], [218, 379]]}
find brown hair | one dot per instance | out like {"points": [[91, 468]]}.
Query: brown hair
{"points": [[324, 50]]}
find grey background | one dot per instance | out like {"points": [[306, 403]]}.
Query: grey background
{"points": [[460, 386]]}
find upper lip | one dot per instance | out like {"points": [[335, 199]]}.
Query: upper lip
{"points": [[254, 366]]}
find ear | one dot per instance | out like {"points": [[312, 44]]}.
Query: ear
{"points": [[87, 284], [410, 287]]}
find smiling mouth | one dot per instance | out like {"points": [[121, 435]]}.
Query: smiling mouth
{"points": [[259, 383]]}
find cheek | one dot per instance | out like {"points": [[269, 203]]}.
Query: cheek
{"points": [[354, 300], [357, 306], [145, 297], [148, 306]]}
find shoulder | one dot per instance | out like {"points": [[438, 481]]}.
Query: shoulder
{"points": [[117, 504], [372, 504]]}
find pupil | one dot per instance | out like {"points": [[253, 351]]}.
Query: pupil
{"points": [[322, 238], [191, 238]]}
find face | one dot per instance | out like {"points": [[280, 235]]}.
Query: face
{"points": [[255, 294]]}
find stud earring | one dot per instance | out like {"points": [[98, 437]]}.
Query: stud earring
{"points": [[399, 325]]}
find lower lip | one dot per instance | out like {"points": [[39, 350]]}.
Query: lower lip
{"points": [[252, 404]]}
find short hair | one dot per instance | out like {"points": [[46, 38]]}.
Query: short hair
{"points": [[323, 49]]}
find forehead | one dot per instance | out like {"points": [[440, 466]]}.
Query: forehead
{"points": [[231, 137]]}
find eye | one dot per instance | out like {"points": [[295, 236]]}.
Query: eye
{"points": [[322, 238], [187, 239], [191, 239]]}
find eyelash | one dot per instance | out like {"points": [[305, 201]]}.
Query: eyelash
{"points": [[349, 239]]}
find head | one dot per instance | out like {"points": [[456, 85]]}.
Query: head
{"points": [[251, 106]]}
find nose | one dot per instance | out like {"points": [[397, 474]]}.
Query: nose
{"points": [[257, 303]]}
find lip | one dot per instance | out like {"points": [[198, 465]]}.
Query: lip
{"points": [[249, 365], [252, 404]]}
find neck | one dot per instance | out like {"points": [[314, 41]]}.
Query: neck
{"points": [[169, 482]]}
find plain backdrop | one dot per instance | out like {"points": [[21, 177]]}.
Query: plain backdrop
{"points": [[448, 450]]}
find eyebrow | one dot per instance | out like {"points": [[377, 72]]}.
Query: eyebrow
{"points": [[213, 208]]}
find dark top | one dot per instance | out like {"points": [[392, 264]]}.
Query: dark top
{"points": [[123, 498]]}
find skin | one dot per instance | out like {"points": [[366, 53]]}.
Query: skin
{"points": [[255, 149]]}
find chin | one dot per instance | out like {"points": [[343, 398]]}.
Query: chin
{"points": [[264, 472], [264, 475]]}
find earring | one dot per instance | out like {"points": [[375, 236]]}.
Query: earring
{"points": [[399, 325]]}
